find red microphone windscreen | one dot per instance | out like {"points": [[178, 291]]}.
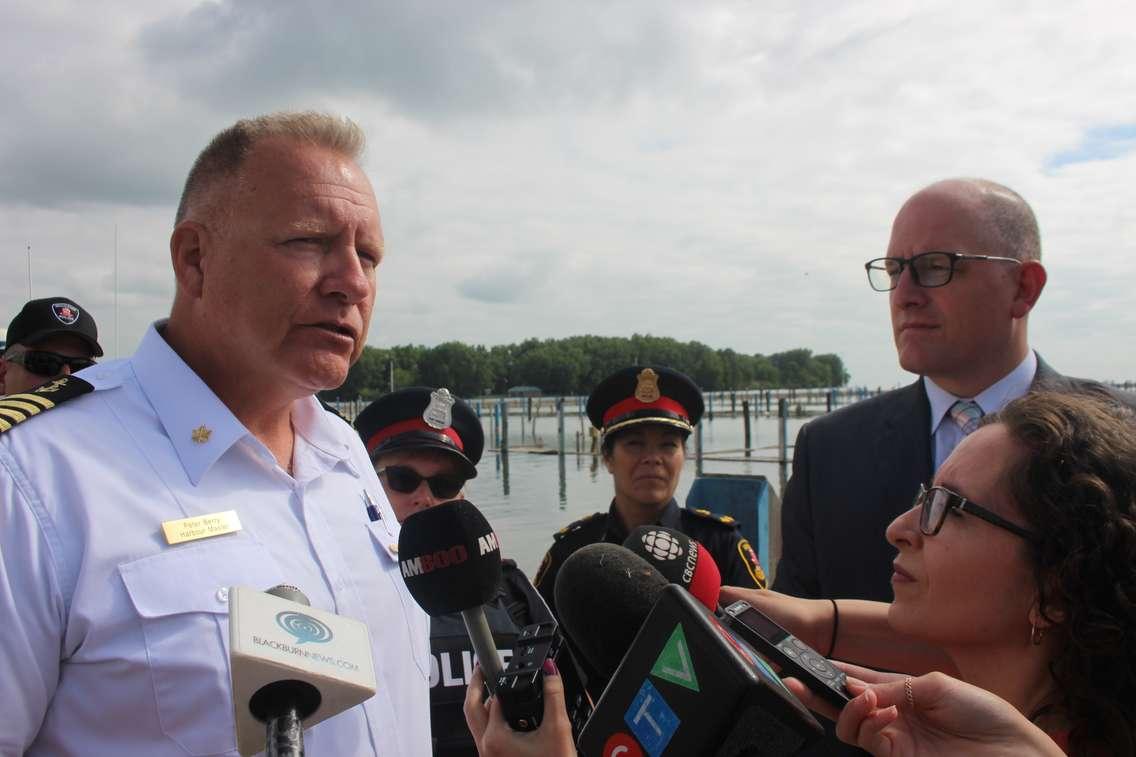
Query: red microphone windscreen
{"points": [[680, 559], [706, 584]]}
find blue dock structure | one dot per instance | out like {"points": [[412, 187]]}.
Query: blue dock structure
{"points": [[750, 500]]}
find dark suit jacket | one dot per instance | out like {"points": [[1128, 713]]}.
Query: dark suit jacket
{"points": [[854, 471]]}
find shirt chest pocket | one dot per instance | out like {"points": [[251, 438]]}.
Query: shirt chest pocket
{"points": [[417, 622], [181, 597]]}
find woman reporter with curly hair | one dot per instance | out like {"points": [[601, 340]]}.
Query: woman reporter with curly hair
{"points": [[1016, 573], [1076, 486]]}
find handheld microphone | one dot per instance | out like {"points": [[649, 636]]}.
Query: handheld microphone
{"points": [[680, 559], [451, 562], [685, 685], [291, 667]]}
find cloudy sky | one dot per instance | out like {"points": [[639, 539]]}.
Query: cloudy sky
{"points": [[708, 171]]}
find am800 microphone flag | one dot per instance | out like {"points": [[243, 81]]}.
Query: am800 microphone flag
{"points": [[449, 557]]}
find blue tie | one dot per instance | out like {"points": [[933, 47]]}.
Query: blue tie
{"points": [[966, 414]]}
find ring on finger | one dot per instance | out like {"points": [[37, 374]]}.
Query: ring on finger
{"points": [[910, 694]]}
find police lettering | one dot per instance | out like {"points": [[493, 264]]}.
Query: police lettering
{"points": [[444, 666], [443, 558]]}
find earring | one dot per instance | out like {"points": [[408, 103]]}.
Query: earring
{"points": [[1036, 635]]}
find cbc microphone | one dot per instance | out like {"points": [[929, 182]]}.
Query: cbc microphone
{"points": [[451, 562], [291, 667], [685, 685], [681, 560]]}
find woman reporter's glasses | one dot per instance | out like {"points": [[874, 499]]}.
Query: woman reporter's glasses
{"points": [[928, 269], [936, 502], [404, 479], [44, 363]]}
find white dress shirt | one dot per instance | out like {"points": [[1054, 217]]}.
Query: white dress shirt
{"points": [[993, 398], [115, 642]]}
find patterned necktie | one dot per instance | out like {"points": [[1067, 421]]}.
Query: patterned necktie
{"points": [[967, 414]]}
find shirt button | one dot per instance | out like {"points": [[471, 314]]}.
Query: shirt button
{"points": [[223, 594]]}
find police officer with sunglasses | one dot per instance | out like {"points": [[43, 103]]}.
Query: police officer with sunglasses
{"points": [[48, 338], [425, 444]]}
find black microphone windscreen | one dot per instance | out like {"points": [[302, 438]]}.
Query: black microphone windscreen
{"points": [[449, 557], [603, 593]]}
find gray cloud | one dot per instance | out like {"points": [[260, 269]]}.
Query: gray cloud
{"points": [[433, 59]]}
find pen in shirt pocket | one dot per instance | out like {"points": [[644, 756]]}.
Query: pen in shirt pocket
{"points": [[372, 508]]}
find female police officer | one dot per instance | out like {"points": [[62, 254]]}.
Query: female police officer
{"points": [[425, 444], [645, 415]]}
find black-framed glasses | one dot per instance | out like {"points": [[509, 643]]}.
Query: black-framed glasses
{"points": [[404, 479], [44, 363], [934, 503], [928, 269]]}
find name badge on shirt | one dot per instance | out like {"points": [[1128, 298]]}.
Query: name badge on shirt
{"points": [[201, 526]]}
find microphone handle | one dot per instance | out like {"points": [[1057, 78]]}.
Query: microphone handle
{"points": [[285, 735], [483, 645]]}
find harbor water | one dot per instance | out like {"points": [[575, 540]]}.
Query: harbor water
{"points": [[528, 496]]}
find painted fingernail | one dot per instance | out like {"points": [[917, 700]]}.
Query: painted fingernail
{"points": [[549, 668]]}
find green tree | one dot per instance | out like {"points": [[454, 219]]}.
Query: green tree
{"points": [[574, 365], [462, 369], [837, 376]]}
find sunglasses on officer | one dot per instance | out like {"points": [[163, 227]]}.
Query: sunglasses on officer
{"points": [[404, 480], [44, 363], [936, 502]]}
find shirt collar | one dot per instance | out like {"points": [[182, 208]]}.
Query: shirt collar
{"points": [[991, 399], [202, 429], [199, 426], [321, 436]]}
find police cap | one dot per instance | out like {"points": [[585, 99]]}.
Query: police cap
{"points": [[422, 418], [645, 394]]}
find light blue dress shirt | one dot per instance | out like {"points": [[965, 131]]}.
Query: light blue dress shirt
{"points": [[115, 642], [993, 398]]}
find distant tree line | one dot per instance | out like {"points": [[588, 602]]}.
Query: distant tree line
{"points": [[573, 366]]}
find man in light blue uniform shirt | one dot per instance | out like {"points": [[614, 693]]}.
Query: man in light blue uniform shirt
{"points": [[115, 636]]}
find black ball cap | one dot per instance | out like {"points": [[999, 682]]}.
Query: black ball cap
{"points": [[645, 394], [423, 418], [449, 557], [52, 316]]}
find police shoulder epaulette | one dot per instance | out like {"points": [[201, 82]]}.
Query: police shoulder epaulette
{"points": [[17, 408], [725, 520], [576, 525]]}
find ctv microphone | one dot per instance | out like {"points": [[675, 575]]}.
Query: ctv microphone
{"points": [[451, 562], [680, 559], [291, 667], [685, 685]]}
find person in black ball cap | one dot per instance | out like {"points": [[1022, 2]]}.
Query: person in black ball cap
{"points": [[425, 443], [50, 337], [645, 414]]}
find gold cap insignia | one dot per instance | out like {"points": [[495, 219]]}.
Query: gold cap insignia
{"points": [[438, 413], [201, 434], [647, 388]]}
